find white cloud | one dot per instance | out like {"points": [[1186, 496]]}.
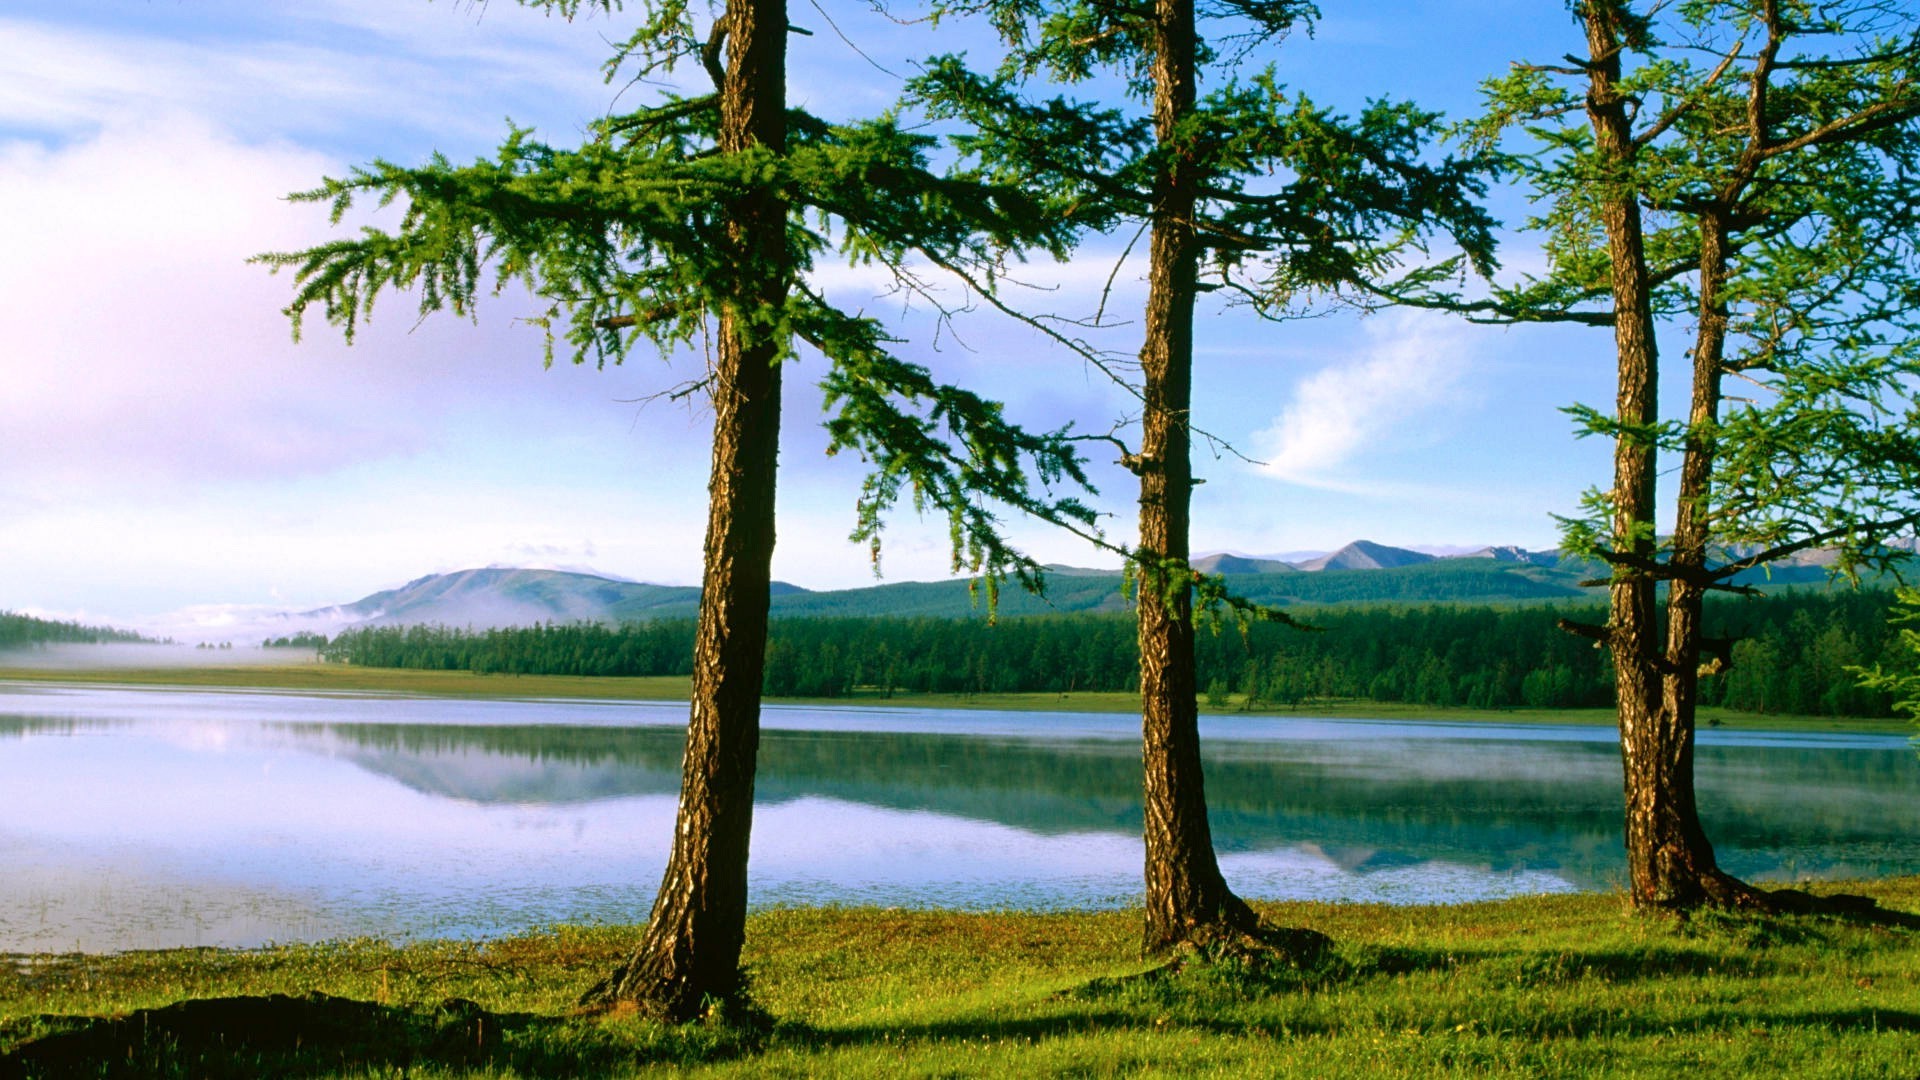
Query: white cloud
{"points": [[136, 336], [405, 68], [138, 345], [1393, 394]]}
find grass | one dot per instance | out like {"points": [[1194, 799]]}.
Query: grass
{"points": [[314, 677], [1549, 986]]}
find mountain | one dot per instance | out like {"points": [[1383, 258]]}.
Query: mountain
{"points": [[1363, 572], [509, 597], [505, 596], [1227, 562], [1367, 555], [1510, 553]]}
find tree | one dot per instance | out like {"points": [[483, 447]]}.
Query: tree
{"points": [[1904, 681], [702, 215], [1767, 193], [1351, 195]]}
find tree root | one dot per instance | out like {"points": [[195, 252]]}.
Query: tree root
{"points": [[1248, 947], [671, 1000], [1259, 947], [1721, 891]]}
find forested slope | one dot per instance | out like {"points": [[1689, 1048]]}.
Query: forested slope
{"points": [[20, 630]]}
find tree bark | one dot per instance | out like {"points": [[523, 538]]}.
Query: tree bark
{"points": [[690, 951], [1661, 848], [1681, 869], [1188, 901]]}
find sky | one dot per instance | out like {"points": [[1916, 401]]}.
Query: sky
{"points": [[174, 460]]}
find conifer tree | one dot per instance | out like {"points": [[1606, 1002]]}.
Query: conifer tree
{"points": [[1347, 198], [1903, 681], [701, 215], [1748, 166]]}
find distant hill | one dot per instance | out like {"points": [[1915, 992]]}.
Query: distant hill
{"points": [[1509, 553], [510, 597], [1363, 572], [498, 596], [1367, 555], [1228, 563]]}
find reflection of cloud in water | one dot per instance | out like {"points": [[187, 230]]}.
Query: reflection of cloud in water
{"points": [[826, 851], [64, 902], [1306, 872]]}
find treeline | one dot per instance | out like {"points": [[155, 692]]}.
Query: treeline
{"points": [[19, 630], [1792, 655]]}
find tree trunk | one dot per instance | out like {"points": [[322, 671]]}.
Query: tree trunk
{"points": [[1187, 898], [1653, 751], [1682, 871], [690, 950]]}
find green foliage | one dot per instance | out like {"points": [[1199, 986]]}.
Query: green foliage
{"points": [[1296, 198], [1787, 138], [1288, 200], [1899, 675]]}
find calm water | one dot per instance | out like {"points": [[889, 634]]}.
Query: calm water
{"points": [[133, 818]]}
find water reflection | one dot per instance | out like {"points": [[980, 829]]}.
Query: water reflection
{"points": [[251, 817]]}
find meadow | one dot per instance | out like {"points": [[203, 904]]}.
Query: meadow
{"points": [[1560, 986]]}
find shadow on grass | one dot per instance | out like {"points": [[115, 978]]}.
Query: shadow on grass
{"points": [[1576, 1024], [280, 1035], [1515, 965], [1554, 969]]}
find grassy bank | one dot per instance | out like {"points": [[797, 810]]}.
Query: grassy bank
{"points": [[1535, 986], [314, 677]]}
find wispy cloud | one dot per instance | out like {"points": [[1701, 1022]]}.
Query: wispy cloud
{"points": [[1389, 396], [66, 80]]}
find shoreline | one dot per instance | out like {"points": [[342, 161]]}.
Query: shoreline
{"points": [[313, 677]]}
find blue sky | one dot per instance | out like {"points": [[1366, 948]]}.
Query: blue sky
{"points": [[173, 457]]}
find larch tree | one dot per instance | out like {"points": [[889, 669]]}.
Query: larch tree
{"points": [[697, 219], [1747, 167], [1247, 188], [1903, 681]]}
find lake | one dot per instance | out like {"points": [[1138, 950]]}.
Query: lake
{"points": [[134, 818]]}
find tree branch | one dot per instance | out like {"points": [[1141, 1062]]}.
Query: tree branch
{"points": [[1598, 634], [1781, 551]]}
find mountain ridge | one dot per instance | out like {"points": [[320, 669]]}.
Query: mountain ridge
{"points": [[1362, 572], [517, 596]]}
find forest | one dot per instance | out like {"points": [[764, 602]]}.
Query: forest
{"points": [[19, 630], [1792, 653]]}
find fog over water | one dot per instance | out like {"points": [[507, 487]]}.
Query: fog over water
{"points": [[124, 655], [141, 818]]}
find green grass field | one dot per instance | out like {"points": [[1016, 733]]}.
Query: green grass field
{"points": [[1541, 986], [314, 677]]}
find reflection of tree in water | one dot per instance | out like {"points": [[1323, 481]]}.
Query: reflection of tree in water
{"points": [[1367, 804], [19, 727]]}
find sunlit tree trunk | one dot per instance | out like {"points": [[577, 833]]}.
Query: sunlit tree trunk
{"points": [[691, 947], [1187, 898], [1681, 867], [1648, 740]]}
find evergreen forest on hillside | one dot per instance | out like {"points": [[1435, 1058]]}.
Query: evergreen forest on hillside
{"points": [[1791, 654], [18, 630]]}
